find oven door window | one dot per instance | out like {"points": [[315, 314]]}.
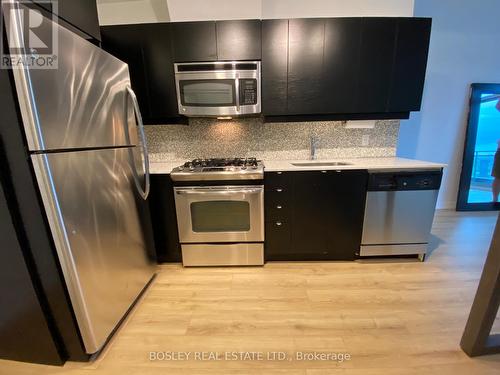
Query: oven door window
{"points": [[220, 216], [208, 93]]}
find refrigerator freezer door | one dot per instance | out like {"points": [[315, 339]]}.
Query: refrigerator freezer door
{"points": [[81, 104], [93, 208]]}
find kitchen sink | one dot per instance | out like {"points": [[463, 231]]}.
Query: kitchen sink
{"points": [[320, 164]]}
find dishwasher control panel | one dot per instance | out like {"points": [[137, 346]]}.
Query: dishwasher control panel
{"points": [[397, 181]]}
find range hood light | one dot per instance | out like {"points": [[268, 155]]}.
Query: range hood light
{"points": [[224, 118]]}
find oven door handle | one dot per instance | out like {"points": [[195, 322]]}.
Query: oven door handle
{"points": [[218, 191]]}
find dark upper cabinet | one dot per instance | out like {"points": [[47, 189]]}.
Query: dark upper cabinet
{"points": [[378, 38], [238, 40], [194, 41], [216, 40], [125, 43], [305, 65], [341, 65], [274, 67], [408, 76], [157, 51], [148, 51], [351, 67], [314, 215], [81, 14], [339, 68]]}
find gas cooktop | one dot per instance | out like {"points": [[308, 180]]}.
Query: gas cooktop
{"points": [[219, 169]]}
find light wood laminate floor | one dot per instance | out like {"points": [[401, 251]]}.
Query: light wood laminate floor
{"points": [[392, 317]]}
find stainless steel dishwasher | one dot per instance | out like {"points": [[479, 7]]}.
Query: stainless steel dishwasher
{"points": [[399, 212]]}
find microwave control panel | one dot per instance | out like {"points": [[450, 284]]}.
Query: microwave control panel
{"points": [[248, 91]]}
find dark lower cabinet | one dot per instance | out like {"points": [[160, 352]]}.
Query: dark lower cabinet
{"points": [[25, 334], [314, 215], [164, 219], [346, 209]]}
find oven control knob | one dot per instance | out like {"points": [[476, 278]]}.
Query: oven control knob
{"points": [[243, 167]]}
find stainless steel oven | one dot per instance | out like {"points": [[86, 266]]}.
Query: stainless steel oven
{"points": [[221, 225], [218, 89]]}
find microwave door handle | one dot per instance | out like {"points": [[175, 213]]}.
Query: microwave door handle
{"points": [[140, 127], [237, 89]]}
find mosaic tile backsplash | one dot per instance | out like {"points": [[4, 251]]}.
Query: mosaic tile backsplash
{"points": [[204, 138]]}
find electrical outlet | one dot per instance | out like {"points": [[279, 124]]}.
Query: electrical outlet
{"points": [[365, 140]]}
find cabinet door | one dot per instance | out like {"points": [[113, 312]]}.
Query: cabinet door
{"points": [[346, 197], [310, 216], [341, 65], [274, 67], [194, 41], [278, 244], [305, 65], [410, 63], [238, 40], [376, 64], [164, 220], [124, 42], [24, 332], [80, 13], [159, 71]]}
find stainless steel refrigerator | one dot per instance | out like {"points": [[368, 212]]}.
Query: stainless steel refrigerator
{"points": [[87, 147]]}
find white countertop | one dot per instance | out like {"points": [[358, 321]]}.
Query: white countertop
{"points": [[390, 163], [164, 167]]}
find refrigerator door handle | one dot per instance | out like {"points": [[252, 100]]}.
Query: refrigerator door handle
{"points": [[140, 126]]}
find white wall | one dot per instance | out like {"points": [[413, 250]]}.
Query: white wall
{"points": [[336, 8], [200, 10], [114, 12], [140, 11], [464, 49]]}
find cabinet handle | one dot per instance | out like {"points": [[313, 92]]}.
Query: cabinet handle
{"points": [[279, 190], [279, 172], [279, 223], [323, 171], [278, 207]]}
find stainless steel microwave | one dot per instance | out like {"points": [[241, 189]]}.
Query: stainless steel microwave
{"points": [[218, 89]]}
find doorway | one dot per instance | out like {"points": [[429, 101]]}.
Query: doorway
{"points": [[477, 181]]}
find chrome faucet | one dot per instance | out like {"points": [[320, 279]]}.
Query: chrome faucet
{"points": [[313, 147]]}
